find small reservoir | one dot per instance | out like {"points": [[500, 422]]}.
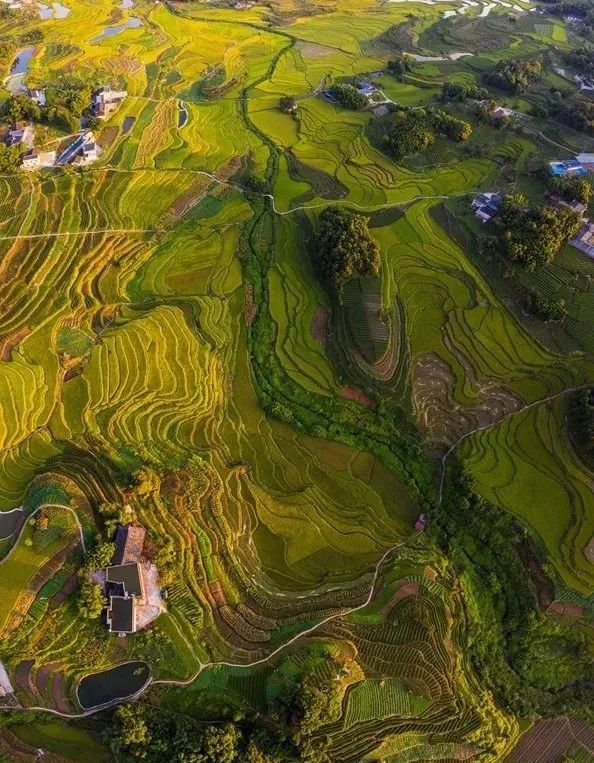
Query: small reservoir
{"points": [[20, 65], [113, 684], [111, 31]]}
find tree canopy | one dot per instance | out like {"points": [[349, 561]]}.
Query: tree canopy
{"points": [[514, 76], [415, 130], [344, 248], [532, 236], [348, 96]]}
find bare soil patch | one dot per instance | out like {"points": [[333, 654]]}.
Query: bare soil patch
{"points": [[313, 50], [359, 397], [564, 608], [589, 550], [404, 591], [549, 739], [11, 342], [250, 308], [442, 417], [320, 325]]}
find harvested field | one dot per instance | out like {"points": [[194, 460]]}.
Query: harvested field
{"points": [[550, 739]]}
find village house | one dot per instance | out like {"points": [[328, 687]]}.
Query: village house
{"points": [[124, 580], [571, 167], [105, 101], [584, 239], [38, 96], [34, 159], [81, 151], [421, 523], [21, 134], [131, 583], [486, 206]]}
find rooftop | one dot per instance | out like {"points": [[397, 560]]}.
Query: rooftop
{"points": [[121, 615], [129, 543], [129, 575]]}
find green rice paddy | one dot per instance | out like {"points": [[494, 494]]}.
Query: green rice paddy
{"points": [[169, 350]]}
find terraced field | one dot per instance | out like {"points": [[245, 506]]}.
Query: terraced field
{"points": [[170, 356]]}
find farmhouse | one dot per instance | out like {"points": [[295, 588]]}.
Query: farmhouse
{"points": [[35, 159], [584, 239], [20, 133], [131, 583], [569, 167], [105, 101], [365, 88], [38, 96], [82, 151], [421, 523], [486, 206]]}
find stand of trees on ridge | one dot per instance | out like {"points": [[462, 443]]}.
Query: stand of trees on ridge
{"points": [[462, 91], [514, 76], [532, 664], [151, 734], [532, 236], [348, 96], [571, 188], [400, 65], [344, 248], [416, 130], [581, 423]]}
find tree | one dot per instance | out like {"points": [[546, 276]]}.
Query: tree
{"points": [[344, 247], [461, 91], [287, 104], [532, 236], [220, 743], [131, 731], [400, 65], [348, 96], [10, 158], [547, 308], [571, 188], [514, 76], [91, 600], [19, 107], [454, 128], [408, 133]]}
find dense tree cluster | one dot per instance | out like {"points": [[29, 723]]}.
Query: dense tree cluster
{"points": [[579, 115], [581, 422], [66, 104], [530, 663], [514, 76], [415, 130], [580, 9], [546, 308], [532, 236], [91, 599], [400, 65], [348, 96], [571, 188], [462, 91], [452, 127], [287, 104], [10, 158], [344, 248], [305, 703], [581, 59]]}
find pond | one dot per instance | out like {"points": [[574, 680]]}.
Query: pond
{"points": [[113, 684], [182, 116], [128, 122], [9, 522], [127, 4], [56, 11], [14, 82], [111, 31]]}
